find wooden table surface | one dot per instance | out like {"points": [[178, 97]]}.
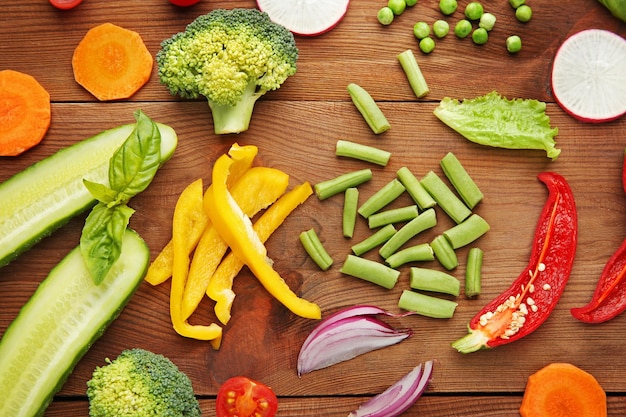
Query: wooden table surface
{"points": [[296, 129]]}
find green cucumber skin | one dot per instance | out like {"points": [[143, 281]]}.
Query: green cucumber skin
{"points": [[25, 394], [20, 193]]}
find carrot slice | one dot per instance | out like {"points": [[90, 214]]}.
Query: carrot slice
{"points": [[563, 390], [24, 112], [111, 62]]}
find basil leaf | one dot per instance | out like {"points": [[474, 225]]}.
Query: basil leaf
{"points": [[101, 239], [135, 163], [101, 192]]}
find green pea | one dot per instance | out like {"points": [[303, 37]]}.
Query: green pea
{"points": [[441, 28], [410, 3], [397, 6], [516, 3], [487, 21], [474, 10], [385, 16], [480, 36], [448, 7], [421, 30], [427, 45], [513, 44], [463, 28], [523, 13]]}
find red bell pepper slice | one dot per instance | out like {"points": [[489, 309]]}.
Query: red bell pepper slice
{"points": [[528, 302], [609, 298]]}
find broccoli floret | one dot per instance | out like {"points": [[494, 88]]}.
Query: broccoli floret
{"points": [[231, 57], [140, 383]]}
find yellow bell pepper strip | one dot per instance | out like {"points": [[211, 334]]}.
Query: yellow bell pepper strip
{"points": [[237, 230], [188, 215], [221, 283], [257, 188], [160, 269]]}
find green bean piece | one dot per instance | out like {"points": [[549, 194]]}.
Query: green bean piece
{"points": [[376, 239], [445, 198], [397, 215], [432, 280], [473, 272], [461, 180], [368, 108], [466, 232], [413, 73], [329, 188], [415, 189], [314, 247], [417, 253], [425, 220], [387, 194], [371, 271], [362, 152], [350, 204], [444, 252], [427, 305]]}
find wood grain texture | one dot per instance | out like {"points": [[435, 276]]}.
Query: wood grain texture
{"points": [[296, 129]]}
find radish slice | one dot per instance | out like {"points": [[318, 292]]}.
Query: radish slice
{"points": [[589, 76], [305, 17]]}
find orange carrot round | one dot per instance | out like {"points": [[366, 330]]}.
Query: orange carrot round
{"points": [[24, 112], [111, 62], [563, 390]]}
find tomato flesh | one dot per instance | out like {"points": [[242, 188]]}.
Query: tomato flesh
{"points": [[65, 4], [242, 397], [184, 3]]}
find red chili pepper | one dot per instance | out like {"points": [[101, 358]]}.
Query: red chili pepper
{"points": [[528, 302], [609, 298]]}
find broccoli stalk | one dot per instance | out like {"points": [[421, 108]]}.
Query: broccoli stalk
{"points": [[141, 383], [230, 57]]}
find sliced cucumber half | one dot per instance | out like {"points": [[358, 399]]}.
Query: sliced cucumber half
{"points": [[60, 322], [43, 197]]}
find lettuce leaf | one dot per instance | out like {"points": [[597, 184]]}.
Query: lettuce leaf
{"points": [[493, 120]]}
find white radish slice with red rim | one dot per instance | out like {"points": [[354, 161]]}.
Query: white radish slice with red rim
{"points": [[305, 17], [589, 76]]}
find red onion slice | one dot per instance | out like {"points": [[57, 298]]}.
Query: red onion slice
{"points": [[345, 339], [359, 310], [399, 397]]}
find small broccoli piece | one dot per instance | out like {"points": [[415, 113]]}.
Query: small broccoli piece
{"points": [[231, 57], [140, 383]]}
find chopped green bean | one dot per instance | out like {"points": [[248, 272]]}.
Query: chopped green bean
{"points": [[368, 108], [463, 28], [362, 152], [413, 73], [427, 305], [385, 16], [381, 236], [388, 193], [473, 272], [371, 271], [444, 252], [397, 215], [448, 7], [417, 253], [445, 198], [441, 28], [415, 189], [523, 13], [426, 220], [467, 231], [432, 280], [461, 180], [329, 188], [350, 204], [427, 45], [314, 247]]}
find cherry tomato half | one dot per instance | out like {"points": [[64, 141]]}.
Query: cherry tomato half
{"points": [[184, 3], [65, 4], [243, 397]]}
